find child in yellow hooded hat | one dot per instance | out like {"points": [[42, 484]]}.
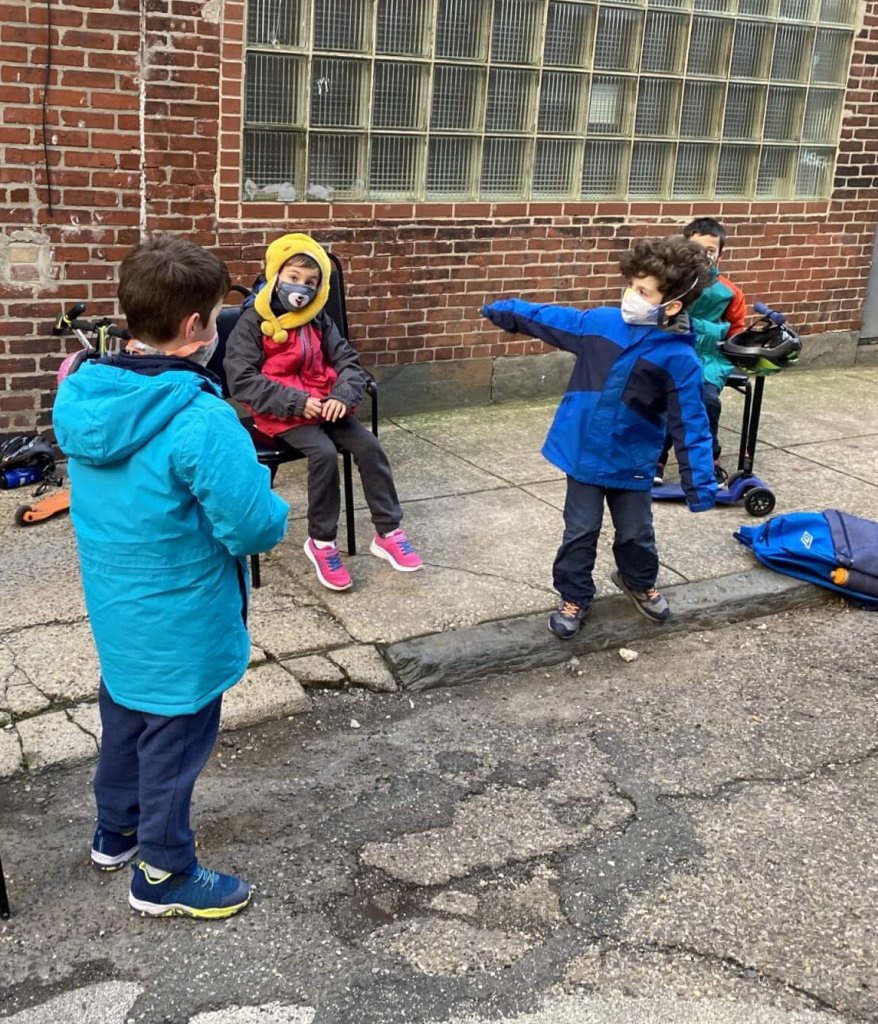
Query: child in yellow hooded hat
{"points": [[287, 362]]}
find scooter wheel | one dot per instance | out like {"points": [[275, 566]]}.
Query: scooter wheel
{"points": [[759, 501], [21, 515]]}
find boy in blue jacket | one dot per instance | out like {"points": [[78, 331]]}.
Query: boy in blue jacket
{"points": [[168, 501], [636, 377]]}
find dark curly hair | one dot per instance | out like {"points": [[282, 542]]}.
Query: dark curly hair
{"points": [[680, 267]]}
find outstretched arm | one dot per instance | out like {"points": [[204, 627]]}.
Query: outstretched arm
{"points": [[561, 326]]}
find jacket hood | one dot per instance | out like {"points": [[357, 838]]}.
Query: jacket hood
{"points": [[109, 409], [278, 327], [680, 324]]}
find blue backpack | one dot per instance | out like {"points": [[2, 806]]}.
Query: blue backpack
{"points": [[832, 549]]}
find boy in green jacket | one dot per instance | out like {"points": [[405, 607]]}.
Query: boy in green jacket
{"points": [[716, 314]]}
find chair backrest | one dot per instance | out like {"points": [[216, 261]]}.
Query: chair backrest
{"points": [[336, 306], [228, 317]]}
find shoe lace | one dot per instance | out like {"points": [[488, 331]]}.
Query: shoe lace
{"points": [[570, 609], [652, 594], [333, 558], [400, 539], [205, 877]]}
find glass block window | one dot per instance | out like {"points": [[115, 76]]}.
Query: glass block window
{"points": [[513, 99]]}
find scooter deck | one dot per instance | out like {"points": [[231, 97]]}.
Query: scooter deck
{"points": [[730, 495], [40, 511]]}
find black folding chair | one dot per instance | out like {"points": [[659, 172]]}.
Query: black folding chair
{"points": [[4, 899], [272, 451]]}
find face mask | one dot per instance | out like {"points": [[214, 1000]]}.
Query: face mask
{"points": [[295, 296], [203, 355], [636, 310], [196, 352]]}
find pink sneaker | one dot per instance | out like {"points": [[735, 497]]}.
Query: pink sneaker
{"points": [[396, 549], [327, 562]]}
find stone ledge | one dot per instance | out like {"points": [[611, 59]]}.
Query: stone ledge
{"points": [[513, 645]]}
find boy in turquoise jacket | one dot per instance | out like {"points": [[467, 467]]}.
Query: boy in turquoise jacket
{"points": [[716, 314], [168, 500]]}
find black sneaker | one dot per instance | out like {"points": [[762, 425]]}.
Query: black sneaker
{"points": [[565, 622], [658, 477], [648, 602], [721, 474]]}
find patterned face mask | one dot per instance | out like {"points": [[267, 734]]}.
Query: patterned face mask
{"points": [[295, 296]]}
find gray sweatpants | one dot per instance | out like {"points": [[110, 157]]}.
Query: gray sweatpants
{"points": [[321, 444]]}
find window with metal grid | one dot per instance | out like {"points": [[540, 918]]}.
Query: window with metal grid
{"points": [[512, 99]]}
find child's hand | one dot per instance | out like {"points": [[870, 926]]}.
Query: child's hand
{"points": [[333, 409], [313, 409]]}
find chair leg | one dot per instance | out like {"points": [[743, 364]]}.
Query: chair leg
{"points": [[347, 473], [4, 899], [255, 574]]}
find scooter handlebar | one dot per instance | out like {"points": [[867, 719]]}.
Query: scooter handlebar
{"points": [[769, 313], [64, 321]]}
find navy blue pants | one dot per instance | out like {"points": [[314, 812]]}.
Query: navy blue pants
{"points": [[633, 546], [146, 772]]}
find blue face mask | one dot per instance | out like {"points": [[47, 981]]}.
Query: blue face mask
{"points": [[294, 297]]}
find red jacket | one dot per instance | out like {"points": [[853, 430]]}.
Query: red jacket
{"points": [[274, 381], [296, 363]]}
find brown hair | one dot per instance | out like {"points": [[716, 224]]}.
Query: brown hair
{"points": [[680, 267], [302, 259], [165, 279]]}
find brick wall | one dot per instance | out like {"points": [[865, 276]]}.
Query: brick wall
{"points": [[143, 115]]}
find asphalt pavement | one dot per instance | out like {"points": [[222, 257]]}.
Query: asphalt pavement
{"points": [[687, 837]]}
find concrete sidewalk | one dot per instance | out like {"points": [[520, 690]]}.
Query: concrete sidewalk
{"points": [[484, 510]]}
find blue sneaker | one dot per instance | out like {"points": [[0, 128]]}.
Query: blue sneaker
{"points": [[112, 850], [648, 602], [565, 622], [202, 893]]}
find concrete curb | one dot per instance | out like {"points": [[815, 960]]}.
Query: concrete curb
{"points": [[463, 655]]}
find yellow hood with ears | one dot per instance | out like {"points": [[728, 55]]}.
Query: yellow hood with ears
{"points": [[276, 255]]}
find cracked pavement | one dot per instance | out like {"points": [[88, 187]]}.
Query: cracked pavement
{"points": [[688, 838]]}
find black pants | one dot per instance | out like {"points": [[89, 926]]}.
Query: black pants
{"points": [[321, 444], [633, 546], [146, 772]]}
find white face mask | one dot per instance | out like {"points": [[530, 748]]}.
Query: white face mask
{"points": [[204, 354], [636, 310], [200, 354]]}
